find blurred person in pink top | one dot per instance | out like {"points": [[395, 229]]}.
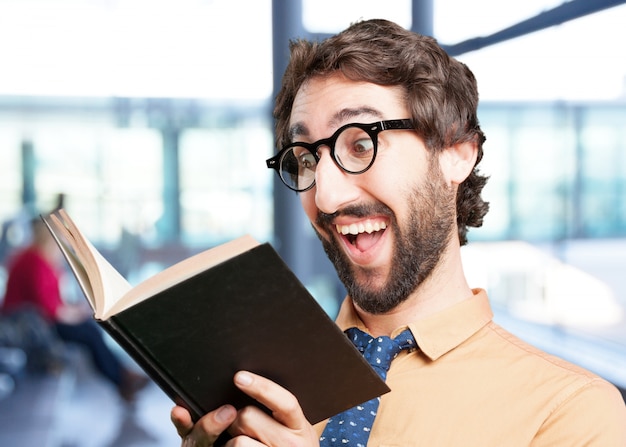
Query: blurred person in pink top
{"points": [[33, 288]]}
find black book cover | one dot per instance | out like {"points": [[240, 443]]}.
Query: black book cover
{"points": [[247, 313]]}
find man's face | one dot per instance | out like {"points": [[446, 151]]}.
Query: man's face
{"points": [[385, 229]]}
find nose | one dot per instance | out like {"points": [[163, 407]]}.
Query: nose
{"points": [[334, 188]]}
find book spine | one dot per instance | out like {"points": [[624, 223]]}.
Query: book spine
{"points": [[160, 377]]}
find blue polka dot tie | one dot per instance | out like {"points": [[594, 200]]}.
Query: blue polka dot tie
{"points": [[352, 427]]}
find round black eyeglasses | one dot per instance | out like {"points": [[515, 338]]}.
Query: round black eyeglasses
{"points": [[352, 147]]}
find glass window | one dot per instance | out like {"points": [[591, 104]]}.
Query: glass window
{"points": [[10, 171], [603, 173], [573, 61], [225, 192], [317, 19], [137, 48], [112, 177]]}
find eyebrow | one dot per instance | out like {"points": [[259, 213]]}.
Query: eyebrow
{"points": [[300, 129]]}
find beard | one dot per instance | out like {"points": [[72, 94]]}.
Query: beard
{"points": [[420, 244]]}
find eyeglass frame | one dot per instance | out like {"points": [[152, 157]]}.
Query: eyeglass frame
{"points": [[372, 129]]}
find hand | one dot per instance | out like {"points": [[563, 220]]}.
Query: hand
{"points": [[250, 425], [72, 314]]}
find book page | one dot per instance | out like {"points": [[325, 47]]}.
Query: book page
{"points": [[98, 279], [113, 285], [181, 271], [108, 284], [106, 289], [62, 238]]}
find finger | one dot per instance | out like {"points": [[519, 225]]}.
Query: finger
{"points": [[182, 421], [284, 406], [255, 425], [207, 429]]}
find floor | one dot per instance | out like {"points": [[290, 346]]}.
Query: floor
{"points": [[75, 408]]}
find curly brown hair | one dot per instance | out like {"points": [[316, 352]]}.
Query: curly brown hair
{"points": [[440, 91]]}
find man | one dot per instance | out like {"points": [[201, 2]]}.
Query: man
{"points": [[391, 199]]}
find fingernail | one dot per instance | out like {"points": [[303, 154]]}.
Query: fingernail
{"points": [[223, 414], [243, 378]]}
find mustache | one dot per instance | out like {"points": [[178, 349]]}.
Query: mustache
{"points": [[325, 220]]}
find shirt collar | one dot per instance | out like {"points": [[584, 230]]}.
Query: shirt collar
{"points": [[438, 333]]}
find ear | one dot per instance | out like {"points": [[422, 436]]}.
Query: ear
{"points": [[458, 161]]}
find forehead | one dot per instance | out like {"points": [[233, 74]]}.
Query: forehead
{"points": [[324, 104]]}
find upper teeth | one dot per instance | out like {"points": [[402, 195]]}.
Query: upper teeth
{"points": [[356, 228]]}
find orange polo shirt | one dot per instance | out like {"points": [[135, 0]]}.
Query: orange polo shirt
{"points": [[471, 383]]}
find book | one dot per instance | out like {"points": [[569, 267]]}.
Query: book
{"points": [[233, 307]]}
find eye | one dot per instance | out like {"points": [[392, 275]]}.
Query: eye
{"points": [[355, 143], [362, 145], [306, 160]]}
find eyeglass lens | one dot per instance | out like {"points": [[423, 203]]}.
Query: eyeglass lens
{"points": [[354, 152]]}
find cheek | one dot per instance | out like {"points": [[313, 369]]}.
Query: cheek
{"points": [[307, 199]]}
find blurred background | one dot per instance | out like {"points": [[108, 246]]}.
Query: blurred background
{"points": [[153, 119]]}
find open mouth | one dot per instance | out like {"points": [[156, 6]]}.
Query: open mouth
{"points": [[362, 235]]}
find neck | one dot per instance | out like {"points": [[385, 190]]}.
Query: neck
{"points": [[444, 288]]}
